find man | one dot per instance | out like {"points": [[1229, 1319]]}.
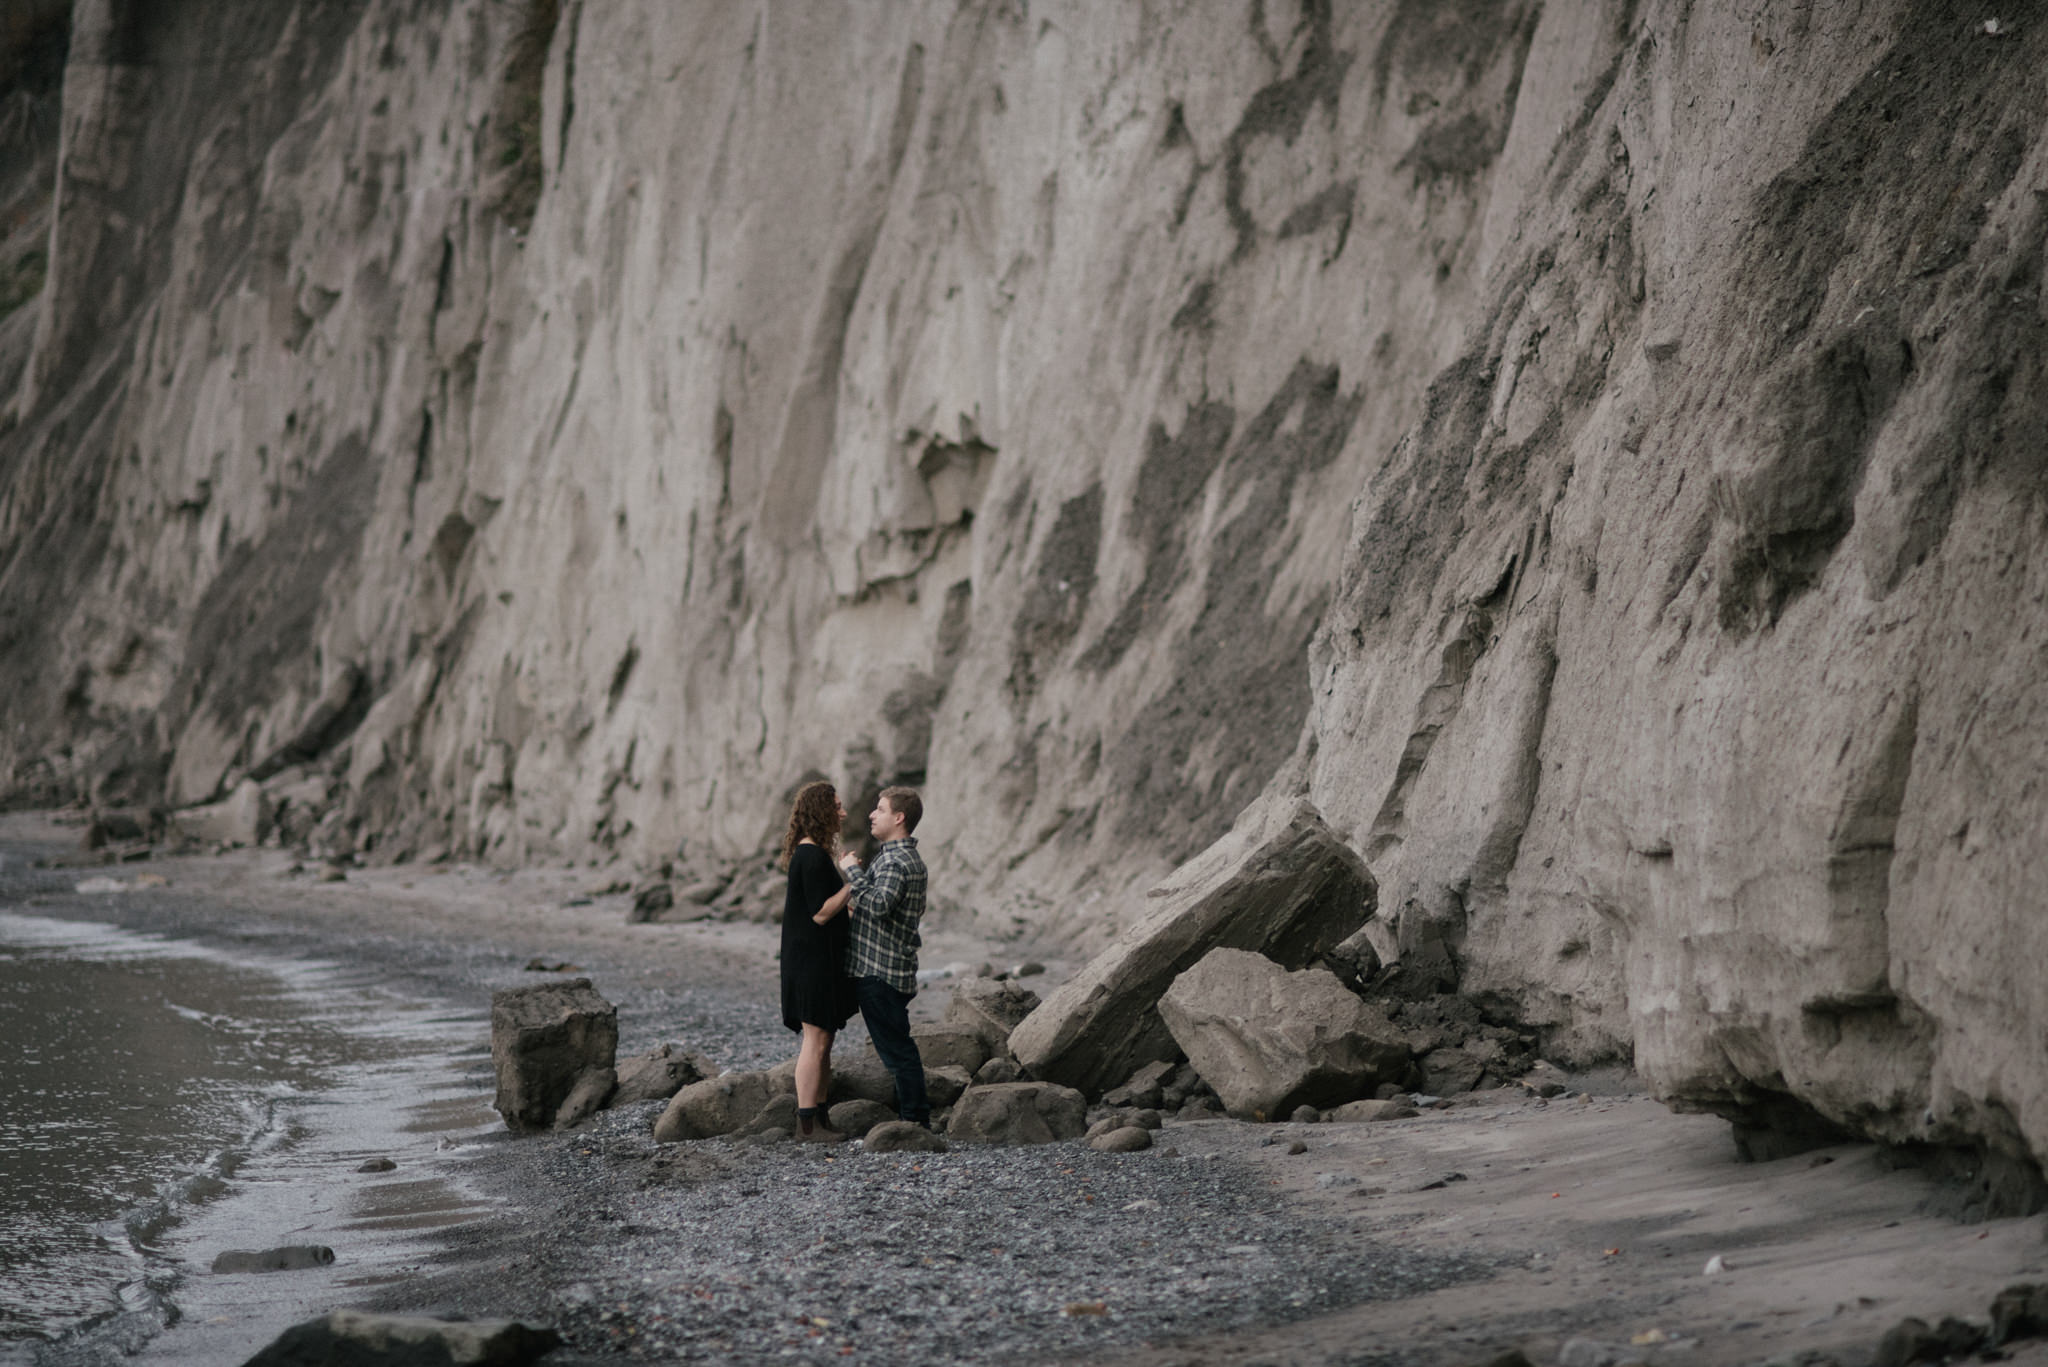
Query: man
{"points": [[885, 902]]}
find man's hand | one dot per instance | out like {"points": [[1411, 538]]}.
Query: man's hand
{"points": [[850, 862]]}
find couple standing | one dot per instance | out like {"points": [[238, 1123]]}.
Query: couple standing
{"points": [[849, 942]]}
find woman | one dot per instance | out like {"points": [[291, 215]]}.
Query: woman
{"points": [[817, 997]]}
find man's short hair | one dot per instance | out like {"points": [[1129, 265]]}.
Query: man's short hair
{"points": [[906, 803]]}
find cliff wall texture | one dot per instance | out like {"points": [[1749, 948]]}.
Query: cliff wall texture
{"points": [[1593, 451]]}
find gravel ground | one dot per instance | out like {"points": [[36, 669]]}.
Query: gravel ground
{"points": [[735, 1252]]}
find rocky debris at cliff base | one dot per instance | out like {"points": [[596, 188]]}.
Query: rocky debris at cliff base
{"points": [[1282, 884], [554, 1047], [357, 1339], [991, 1010], [1269, 1040]]}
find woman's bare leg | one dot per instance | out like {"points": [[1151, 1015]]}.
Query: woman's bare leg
{"points": [[813, 1067]]}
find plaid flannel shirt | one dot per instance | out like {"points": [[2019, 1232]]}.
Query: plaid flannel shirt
{"points": [[887, 900]]}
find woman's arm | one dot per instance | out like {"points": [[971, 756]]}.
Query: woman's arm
{"points": [[833, 905]]}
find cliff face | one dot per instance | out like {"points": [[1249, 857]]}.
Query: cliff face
{"points": [[1594, 451]]}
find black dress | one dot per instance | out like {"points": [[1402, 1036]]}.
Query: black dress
{"points": [[815, 988]]}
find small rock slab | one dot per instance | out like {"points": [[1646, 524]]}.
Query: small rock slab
{"points": [[1355, 1112], [902, 1136], [1018, 1113], [554, 1047], [290, 1258], [364, 1340], [949, 1044], [991, 1009], [1129, 1139]]}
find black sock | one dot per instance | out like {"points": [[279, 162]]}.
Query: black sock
{"points": [[806, 1118]]}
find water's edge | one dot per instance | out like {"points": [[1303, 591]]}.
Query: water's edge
{"points": [[348, 1067]]}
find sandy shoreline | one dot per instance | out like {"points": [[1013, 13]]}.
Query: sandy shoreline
{"points": [[1589, 1219]]}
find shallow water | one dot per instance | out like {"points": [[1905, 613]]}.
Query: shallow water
{"points": [[162, 1100]]}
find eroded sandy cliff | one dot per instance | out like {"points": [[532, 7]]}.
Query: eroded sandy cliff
{"points": [[1594, 451]]}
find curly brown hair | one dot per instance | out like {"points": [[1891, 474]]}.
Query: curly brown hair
{"points": [[813, 816]]}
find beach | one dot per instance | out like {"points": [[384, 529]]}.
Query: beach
{"points": [[1565, 1227]]}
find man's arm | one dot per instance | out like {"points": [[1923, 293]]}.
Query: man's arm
{"points": [[877, 891]]}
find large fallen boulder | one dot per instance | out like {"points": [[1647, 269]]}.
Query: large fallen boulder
{"points": [[715, 1106], [1019, 1113], [241, 818], [1268, 1040], [660, 1073], [552, 1045], [359, 1339], [991, 1009], [1283, 884]]}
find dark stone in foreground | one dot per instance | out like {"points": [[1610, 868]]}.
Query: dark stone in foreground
{"points": [[350, 1338], [555, 1047], [290, 1258], [901, 1136]]}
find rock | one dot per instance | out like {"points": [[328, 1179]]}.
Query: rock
{"points": [[991, 1010], [593, 1089], [1585, 1352], [2019, 1312], [377, 1165], [548, 1043], [659, 1074], [715, 1106], [1200, 1108], [331, 873], [242, 818], [1268, 1040], [649, 901], [998, 1070], [1305, 1115], [700, 894], [1030, 968], [901, 1136], [290, 1258], [1451, 1071], [1357, 1112], [860, 1077], [778, 1113], [1913, 1340], [1545, 1080], [943, 1086], [1129, 1139], [949, 1044], [1297, 1147], [858, 1117], [355, 1338], [1282, 884], [1124, 1117], [1019, 1113], [1146, 1087]]}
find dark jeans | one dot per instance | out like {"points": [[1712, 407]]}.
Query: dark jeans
{"points": [[887, 1013]]}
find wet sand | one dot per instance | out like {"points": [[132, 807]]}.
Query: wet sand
{"points": [[1591, 1219]]}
